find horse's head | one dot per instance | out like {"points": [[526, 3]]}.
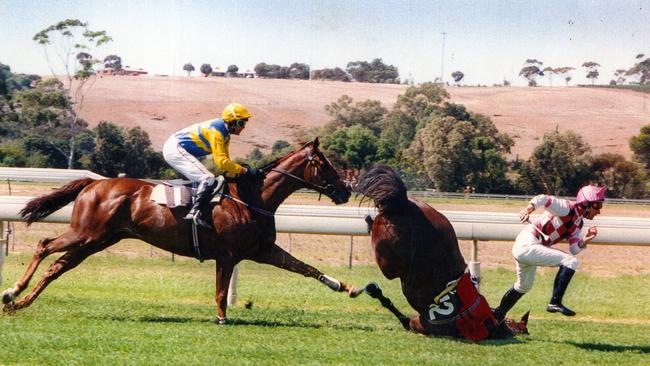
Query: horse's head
{"points": [[313, 170], [321, 175]]}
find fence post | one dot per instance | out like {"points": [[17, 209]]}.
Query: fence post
{"points": [[2, 239], [351, 249], [474, 264], [2, 251], [290, 243], [232, 287]]}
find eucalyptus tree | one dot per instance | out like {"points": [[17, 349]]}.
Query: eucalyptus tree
{"points": [[461, 149], [67, 46], [299, 71], [531, 70], [549, 71], [375, 71], [188, 67], [206, 70], [336, 73], [564, 71], [232, 70], [458, 76], [641, 68], [592, 70], [640, 146], [622, 178], [113, 62], [560, 165]]}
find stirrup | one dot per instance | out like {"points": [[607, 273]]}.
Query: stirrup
{"points": [[199, 222]]}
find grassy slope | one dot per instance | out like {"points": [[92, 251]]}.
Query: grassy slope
{"points": [[120, 310]]}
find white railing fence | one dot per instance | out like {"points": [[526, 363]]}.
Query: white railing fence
{"points": [[349, 221], [475, 226]]}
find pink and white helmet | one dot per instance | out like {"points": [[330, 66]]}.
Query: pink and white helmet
{"points": [[590, 193]]}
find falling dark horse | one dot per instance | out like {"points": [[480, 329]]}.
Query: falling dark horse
{"points": [[417, 244], [107, 211]]}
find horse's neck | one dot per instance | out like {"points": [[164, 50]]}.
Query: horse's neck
{"points": [[277, 186], [417, 251]]}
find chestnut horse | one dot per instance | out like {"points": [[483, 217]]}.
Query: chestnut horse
{"points": [[417, 244], [107, 211]]}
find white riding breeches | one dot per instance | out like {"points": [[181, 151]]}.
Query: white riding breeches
{"points": [[184, 162], [529, 252]]}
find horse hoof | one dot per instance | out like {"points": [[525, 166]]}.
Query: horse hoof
{"points": [[7, 297], [354, 292], [373, 289], [221, 321]]}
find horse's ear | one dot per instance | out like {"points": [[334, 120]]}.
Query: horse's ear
{"points": [[316, 142], [524, 319]]}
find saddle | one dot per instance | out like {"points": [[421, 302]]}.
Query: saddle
{"points": [[180, 195], [173, 194]]}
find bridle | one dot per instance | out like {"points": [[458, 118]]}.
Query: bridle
{"points": [[323, 188]]}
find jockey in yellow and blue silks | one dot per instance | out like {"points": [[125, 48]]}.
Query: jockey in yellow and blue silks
{"points": [[210, 137]]}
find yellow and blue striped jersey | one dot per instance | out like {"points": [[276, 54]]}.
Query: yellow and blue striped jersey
{"points": [[209, 137]]}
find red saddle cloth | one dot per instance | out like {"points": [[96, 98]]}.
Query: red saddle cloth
{"points": [[475, 320], [462, 304]]}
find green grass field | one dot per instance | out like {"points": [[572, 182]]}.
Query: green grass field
{"points": [[115, 309], [644, 88]]}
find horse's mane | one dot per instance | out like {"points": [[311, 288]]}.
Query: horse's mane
{"points": [[384, 186], [280, 159]]}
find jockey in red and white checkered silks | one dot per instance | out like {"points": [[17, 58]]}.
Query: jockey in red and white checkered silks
{"points": [[562, 219]]}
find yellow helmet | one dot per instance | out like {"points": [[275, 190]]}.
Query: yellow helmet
{"points": [[235, 111]]}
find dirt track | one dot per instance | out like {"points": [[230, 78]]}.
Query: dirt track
{"points": [[161, 105]]}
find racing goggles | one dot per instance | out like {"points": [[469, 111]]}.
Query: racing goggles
{"points": [[239, 122]]}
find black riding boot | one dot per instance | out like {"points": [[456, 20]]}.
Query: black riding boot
{"points": [[509, 300], [203, 194], [562, 280]]}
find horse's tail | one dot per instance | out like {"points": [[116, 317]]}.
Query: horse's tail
{"points": [[384, 186], [43, 206]]}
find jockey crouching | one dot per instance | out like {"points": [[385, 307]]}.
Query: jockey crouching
{"points": [[183, 148], [562, 219]]}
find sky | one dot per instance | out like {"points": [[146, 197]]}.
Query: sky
{"points": [[488, 41]]}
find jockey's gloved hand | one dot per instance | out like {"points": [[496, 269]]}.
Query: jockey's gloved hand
{"points": [[253, 172]]}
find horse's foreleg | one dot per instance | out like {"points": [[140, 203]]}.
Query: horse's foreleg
{"points": [[45, 247], [374, 291], [223, 275], [276, 256]]}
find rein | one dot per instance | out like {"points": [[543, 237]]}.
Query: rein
{"points": [[314, 186], [318, 188], [254, 208]]}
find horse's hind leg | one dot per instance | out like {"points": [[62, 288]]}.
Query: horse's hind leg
{"points": [[66, 262], [45, 247], [276, 256]]}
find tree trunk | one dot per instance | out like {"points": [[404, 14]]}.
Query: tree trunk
{"points": [[72, 143]]}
